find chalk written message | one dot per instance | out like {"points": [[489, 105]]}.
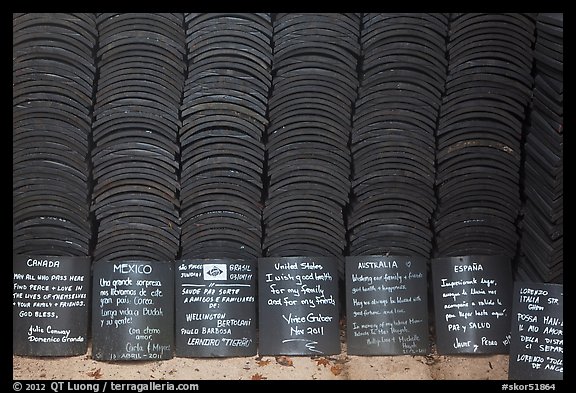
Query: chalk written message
{"points": [[50, 305], [298, 304], [133, 310], [537, 347], [473, 304], [386, 305], [215, 308]]}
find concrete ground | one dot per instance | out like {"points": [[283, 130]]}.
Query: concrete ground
{"points": [[338, 367]]}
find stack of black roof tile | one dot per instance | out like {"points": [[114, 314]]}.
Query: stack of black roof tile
{"points": [[542, 247], [224, 119], [314, 89], [401, 82], [488, 88], [53, 78], [135, 198]]}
